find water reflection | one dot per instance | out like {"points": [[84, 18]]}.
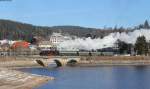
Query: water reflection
{"points": [[117, 77]]}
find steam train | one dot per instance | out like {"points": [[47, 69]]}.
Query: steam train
{"points": [[77, 53]]}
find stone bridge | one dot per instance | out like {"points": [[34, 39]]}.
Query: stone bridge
{"points": [[59, 61]]}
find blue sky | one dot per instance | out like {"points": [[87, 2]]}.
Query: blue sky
{"points": [[88, 13]]}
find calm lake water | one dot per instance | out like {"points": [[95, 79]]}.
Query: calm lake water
{"points": [[117, 77]]}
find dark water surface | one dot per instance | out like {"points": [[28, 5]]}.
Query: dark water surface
{"points": [[117, 77]]}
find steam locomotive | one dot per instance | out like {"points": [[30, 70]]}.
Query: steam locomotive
{"points": [[76, 53]]}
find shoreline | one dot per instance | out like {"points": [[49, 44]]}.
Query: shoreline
{"points": [[11, 64], [18, 63], [12, 78], [102, 65], [116, 61], [20, 80]]}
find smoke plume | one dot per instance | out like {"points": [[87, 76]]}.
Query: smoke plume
{"points": [[107, 41]]}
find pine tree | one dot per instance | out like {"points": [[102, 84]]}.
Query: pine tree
{"points": [[141, 45], [146, 24]]}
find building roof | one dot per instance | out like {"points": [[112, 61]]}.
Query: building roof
{"points": [[22, 44]]}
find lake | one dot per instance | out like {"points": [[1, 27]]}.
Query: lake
{"points": [[110, 77]]}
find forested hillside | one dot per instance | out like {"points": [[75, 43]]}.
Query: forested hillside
{"points": [[21, 31]]}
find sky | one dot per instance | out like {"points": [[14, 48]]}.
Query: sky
{"points": [[87, 13]]}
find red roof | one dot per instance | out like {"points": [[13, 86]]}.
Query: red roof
{"points": [[22, 44]]}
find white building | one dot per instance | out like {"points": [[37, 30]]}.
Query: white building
{"points": [[5, 41], [57, 38], [45, 45]]}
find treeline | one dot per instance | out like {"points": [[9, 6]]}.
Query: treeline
{"points": [[21, 31], [141, 47]]}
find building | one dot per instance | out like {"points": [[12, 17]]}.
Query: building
{"points": [[46, 45], [20, 44], [4, 47], [57, 38]]}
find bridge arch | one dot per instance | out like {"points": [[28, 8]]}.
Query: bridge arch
{"points": [[40, 62], [58, 63], [72, 62]]}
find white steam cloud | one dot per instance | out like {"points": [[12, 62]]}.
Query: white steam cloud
{"points": [[107, 41]]}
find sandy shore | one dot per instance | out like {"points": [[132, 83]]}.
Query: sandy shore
{"points": [[12, 79]]}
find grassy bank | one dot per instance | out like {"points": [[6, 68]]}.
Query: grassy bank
{"points": [[114, 60]]}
